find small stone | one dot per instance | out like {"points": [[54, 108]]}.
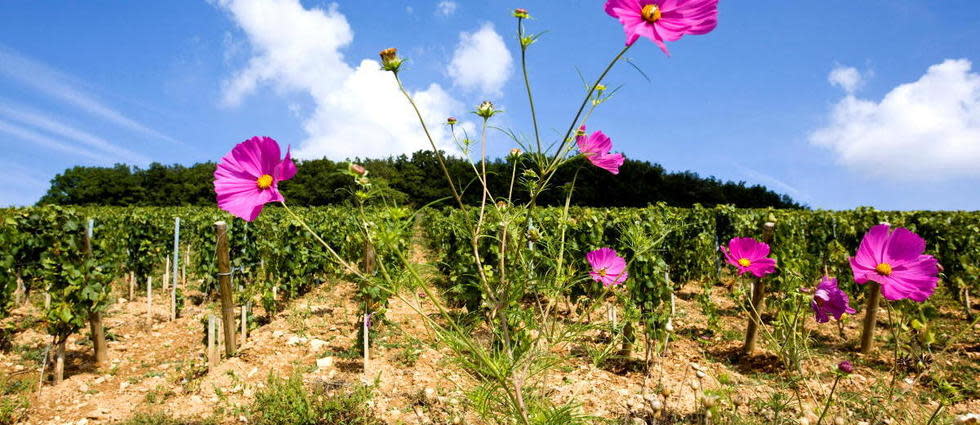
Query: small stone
{"points": [[123, 385], [82, 421], [99, 380], [324, 362], [967, 419], [278, 334], [122, 300], [638, 421], [840, 421], [317, 344], [700, 374], [82, 387], [295, 340]]}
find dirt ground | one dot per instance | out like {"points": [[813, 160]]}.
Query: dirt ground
{"points": [[164, 368]]}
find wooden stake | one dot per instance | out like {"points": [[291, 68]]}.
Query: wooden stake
{"points": [[132, 286], [870, 317], [149, 301], [19, 293], [367, 318], [96, 330], [224, 281], [758, 299], [59, 362]]}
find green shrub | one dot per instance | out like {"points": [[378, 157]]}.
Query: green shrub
{"points": [[286, 401], [163, 419]]}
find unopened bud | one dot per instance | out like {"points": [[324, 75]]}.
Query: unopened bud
{"points": [[451, 121], [600, 87], [485, 109], [521, 14], [390, 60], [357, 169]]}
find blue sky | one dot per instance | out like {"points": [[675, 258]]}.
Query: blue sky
{"points": [[839, 103]]}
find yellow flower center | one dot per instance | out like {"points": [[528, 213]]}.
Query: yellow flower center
{"points": [[651, 13], [744, 262], [602, 272], [884, 269], [264, 182]]}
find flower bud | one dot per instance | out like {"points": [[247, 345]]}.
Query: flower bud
{"points": [[357, 169], [486, 109], [516, 152], [600, 87], [451, 121], [390, 60], [580, 131], [521, 14], [845, 367]]}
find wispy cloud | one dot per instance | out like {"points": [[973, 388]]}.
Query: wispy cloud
{"points": [[772, 182], [50, 125], [446, 8], [63, 87], [48, 142], [29, 185]]}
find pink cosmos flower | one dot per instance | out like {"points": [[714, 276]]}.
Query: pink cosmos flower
{"points": [[895, 260], [749, 255], [829, 300], [663, 20], [596, 149], [607, 267], [248, 177]]}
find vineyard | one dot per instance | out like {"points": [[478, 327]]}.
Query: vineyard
{"points": [[69, 266]]}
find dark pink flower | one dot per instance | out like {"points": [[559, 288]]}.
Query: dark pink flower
{"points": [[749, 255], [845, 367], [248, 177], [829, 300], [607, 267], [663, 20], [895, 260], [596, 149]]}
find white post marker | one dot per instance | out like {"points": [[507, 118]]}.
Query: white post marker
{"points": [[174, 273]]}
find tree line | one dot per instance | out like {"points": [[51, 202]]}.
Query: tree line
{"points": [[412, 180]]}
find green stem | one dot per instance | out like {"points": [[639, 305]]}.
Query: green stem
{"points": [[588, 96], [829, 399], [527, 82]]}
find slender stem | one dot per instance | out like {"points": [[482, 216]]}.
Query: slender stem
{"points": [[442, 161], [829, 399], [588, 96], [527, 82], [353, 270], [935, 413]]}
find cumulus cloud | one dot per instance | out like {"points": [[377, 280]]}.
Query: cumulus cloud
{"points": [[358, 109], [928, 129], [846, 77], [481, 62], [446, 8]]}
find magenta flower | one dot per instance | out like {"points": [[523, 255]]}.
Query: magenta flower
{"points": [[607, 267], [248, 177], [663, 20], [596, 149], [896, 261], [845, 367], [829, 300], [749, 255]]}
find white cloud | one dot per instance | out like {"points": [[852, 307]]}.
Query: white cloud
{"points": [[481, 61], [63, 87], [446, 8], [928, 129], [846, 77], [358, 109]]}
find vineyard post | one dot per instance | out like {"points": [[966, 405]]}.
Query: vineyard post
{"points": [[174, 272], [758, 299], [224, 281], [19, 293], [132, 286], [244, 322], [95, 317], [183, 267], [211, 343], [871, 314], [166, 274], [59, 361], [149, 301], [368, 264]]}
